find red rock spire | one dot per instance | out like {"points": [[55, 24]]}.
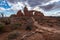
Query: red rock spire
{"points": [[26, 12]]}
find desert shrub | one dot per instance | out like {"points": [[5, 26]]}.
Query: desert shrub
{"points": [[6, 21], [1, 28], [25, 18], [29, 27], [16, 25], [13, 35], [50, 24]]}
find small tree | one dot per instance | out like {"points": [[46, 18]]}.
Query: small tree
{"points": [[2, 15]]}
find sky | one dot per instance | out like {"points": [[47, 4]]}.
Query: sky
{"points": [[47, 7]]}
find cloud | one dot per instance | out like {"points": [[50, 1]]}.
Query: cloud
{"points": [[2, 8], [15, 1], [41, 5], [47, 7], [33, 3], [18, 6], [14, 8], [52, 5], [12, 1]]}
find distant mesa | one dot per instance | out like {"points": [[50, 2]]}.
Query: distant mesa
{"points": [[27, 13]]}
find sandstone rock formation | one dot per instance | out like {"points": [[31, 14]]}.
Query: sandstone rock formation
{"points": [[19, 13], [37, 13], [27, 13], [31, 13]]}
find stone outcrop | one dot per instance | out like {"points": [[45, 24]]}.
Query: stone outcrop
{"points": [[38, 13], [28, 13], [31, 13], [19, 13]]}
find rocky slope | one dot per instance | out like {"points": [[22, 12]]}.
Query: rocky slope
{"points": [[30, 25]]}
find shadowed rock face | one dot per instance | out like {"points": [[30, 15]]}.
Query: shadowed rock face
{"points": [[13, 15], [31, 13], [19, 13]]}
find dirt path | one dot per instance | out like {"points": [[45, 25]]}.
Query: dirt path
{"points": [[53, 30]]}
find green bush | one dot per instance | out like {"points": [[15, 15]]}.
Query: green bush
{"points": [[1, 28]]}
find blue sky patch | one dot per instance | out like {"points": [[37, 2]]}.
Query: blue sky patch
{"points": [[4, 4]]}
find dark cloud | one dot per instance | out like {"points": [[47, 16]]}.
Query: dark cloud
{"points": [[53, 6], [57, 5], [30, 2], [15, 1], [48, 7], [12, 1], [33, 3]]}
